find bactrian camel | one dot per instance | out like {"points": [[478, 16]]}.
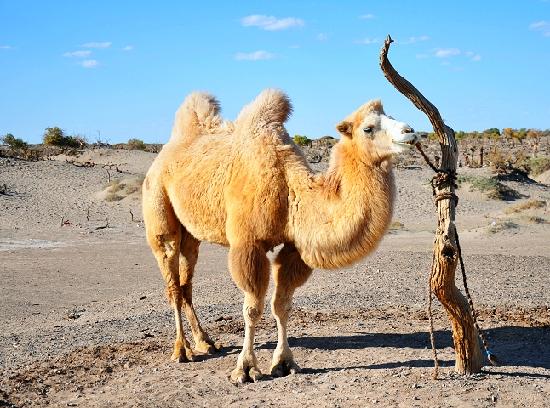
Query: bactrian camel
{"points": [[246, 185]]}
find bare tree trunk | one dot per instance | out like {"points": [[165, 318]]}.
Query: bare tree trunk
{"points": [[465, 336]]}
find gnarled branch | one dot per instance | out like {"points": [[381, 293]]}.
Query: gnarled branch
{"points": [[442, 280]]}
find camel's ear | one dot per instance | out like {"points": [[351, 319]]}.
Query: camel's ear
{"points": [[345, 128]]}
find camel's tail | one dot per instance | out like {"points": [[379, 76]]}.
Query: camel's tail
{"points": [[271, 107], [199, 113]]}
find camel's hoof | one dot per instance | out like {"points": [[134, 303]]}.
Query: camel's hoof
{"points": [[240, 376], [182, 354], [208, 347], [284, 368]]}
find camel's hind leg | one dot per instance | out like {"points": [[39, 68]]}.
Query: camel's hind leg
{"points": [[249, 268], [189, 251], [289, 272], [163, 232]]}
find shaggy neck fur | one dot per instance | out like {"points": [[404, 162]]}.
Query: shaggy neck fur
{"points": [[342, 215]]}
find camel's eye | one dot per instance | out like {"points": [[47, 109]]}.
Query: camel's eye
{"points": [[368, 130]]}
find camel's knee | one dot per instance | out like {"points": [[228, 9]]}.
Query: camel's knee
{"points": [[289, 269], [189, 253], [163, 245], [165, 248], [281, 303], [249, 268], [187, 292], [253, 309], [174, 295]]}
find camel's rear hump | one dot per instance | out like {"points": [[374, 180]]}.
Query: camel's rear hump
{"points": [[271, 107], [199, 113]]}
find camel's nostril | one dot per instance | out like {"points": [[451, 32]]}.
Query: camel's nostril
{"points": [[407, 130]]}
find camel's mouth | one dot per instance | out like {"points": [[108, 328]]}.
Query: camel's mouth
{"points": [[406, 139]]}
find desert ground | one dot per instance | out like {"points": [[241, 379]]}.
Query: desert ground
{"points": [[85, 321]]}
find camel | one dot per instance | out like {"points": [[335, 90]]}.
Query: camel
{"points": [[247, 186]]}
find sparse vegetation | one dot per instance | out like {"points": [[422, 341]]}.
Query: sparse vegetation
{"points": [[525, 205], [491, 187], [538, 165], [395, 226], [55, 136], [13, 142], [533, 219], [499, 226], [136, 144], [119, 189], [302, 140]]}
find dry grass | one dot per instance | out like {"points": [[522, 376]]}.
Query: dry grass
{"points": [[500, 226], [119, 189], [538, 165], [533, 219], [525, 205], [396, 225]]}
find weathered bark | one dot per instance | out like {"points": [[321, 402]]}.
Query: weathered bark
{"points": [[465, 336]]}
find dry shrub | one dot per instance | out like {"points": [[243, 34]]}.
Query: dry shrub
{"points": [[499, 226], [538, 165], [533, 219], [491, 187], [397, 225], [119, 189], [136, 144], [525, 205]]}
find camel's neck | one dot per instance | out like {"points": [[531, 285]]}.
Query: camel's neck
{"points": [[344, 213]]}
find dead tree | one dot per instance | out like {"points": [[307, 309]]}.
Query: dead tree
{"points": [[446, 250]]}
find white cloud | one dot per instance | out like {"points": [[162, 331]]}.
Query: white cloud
{"points": [[128, 48], [91, 63], [78, 54], [414, 40], [542, 27], [368, 41], [105, 44], [446, 52], [322, 37], [366, 16], [254, 56], [473, 56], [270, 23], [5, 47]]}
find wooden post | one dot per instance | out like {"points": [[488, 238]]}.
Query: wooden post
{"points": [[445, 258]]}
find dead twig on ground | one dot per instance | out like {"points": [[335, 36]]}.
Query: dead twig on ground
{"points": [[103, 226]]}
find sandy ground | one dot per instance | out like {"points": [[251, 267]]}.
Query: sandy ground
{"points": [[85, 322]]}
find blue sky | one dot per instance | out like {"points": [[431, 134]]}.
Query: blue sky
{"points": [[120, 69]]}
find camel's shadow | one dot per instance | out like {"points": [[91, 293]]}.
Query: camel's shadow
{"points": [[514, 346]]}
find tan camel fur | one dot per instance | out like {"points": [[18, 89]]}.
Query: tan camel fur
{"points": [[247, 186]]}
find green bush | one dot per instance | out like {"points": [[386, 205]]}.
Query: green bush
{"points": [[55, 136], [136, 144], [301, 140], [13, 142]]}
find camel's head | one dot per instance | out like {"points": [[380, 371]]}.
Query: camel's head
{"points": [[370, 129]]}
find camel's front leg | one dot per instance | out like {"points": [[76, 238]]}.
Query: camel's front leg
{"points": [[250, 270], [289, 272]]}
